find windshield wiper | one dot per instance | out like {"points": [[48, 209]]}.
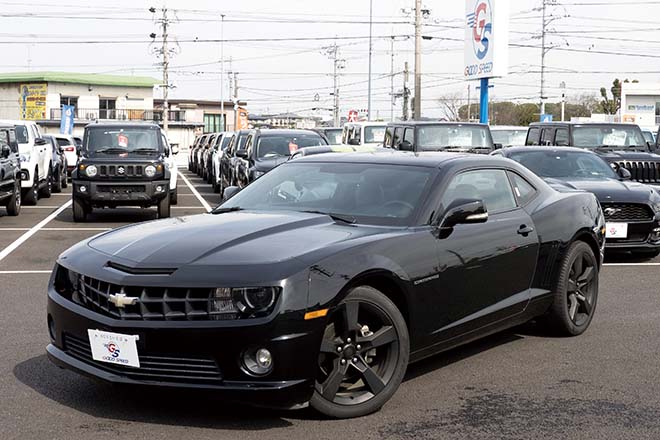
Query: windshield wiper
{"points": [[144, 150], [107, 150], [337, 217], [220, 210]]}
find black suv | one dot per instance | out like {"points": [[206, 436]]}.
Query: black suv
{"points": [[266, 149], [121, 164], [622, 145], [439, 136], [10, 170]]}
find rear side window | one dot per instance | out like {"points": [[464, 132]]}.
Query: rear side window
{"points": [[548, 136], [523, 189], [533, 136], [389, 134], [62, 142], [409, 136], [398, 137], [561, 137]]}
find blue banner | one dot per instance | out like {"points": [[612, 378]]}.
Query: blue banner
{"points": [[66, 124]]}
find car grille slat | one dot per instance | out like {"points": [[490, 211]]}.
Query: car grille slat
{"points": [[642, 171], [115, 171], [154, 367], [627, 212]]}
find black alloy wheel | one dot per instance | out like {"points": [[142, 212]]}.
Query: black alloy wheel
{"points": [[363, 355], [14, 203], [47, 189], [80, 210], [65, 178], [576, 292], [57, 183], [31, 195], [164, 208]]}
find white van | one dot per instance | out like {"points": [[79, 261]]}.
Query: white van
{"points": [[366, 133], [36, 155]]}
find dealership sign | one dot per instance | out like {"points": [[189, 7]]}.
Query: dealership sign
{"points": [[486, 38]]}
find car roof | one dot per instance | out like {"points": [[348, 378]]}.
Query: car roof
{"points": [[16, 122], [5, 125], [419, 123], [507, 127], [365, 123], [122, 124], [396, 157], [546, 149], [558, 123], [267, 132]]}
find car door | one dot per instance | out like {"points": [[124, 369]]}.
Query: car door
{"points": [[243, 163], [170, 161], [6, 166], [486, 269], [45, 153]]}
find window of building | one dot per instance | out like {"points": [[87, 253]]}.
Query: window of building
{"points": [[69, 100], [107, 108], [213, 123]]}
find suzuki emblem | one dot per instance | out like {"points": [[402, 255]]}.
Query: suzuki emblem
{"points": [[121, 170], [120, 300]]}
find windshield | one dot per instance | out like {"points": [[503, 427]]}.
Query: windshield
{"points": [[565, 165], [608, 136], [371, 194], [285, 145], [334, 136], [374, 135], [122, 141], [22, 134], [648, 135], [508, 138], [438, 137]]}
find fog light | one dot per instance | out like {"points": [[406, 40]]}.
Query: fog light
{"points": [[83, 188], [655, 234], [159, 188], [258, 361]]}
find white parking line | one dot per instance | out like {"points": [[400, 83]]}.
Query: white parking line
{"points": [[631, 264], [24, 272], [41, 206], [196, 193], [57, 229], [23, 238]]}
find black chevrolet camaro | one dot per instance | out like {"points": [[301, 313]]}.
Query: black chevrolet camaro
{"points": [[631, 209], [319, 282]]}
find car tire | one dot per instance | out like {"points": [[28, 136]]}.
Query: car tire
{"points": [[57, 185], [65, 179], [216, 186], [164, 208], [80, 211], [47, 190], [174, 196], [31, 195], [367, 319], [575, 292], [14, 203]]}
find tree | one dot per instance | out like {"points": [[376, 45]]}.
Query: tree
{"points": [[451, 106], [612, 106]]}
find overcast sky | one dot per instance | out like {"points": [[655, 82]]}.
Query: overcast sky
{"points": [[595, 40]]}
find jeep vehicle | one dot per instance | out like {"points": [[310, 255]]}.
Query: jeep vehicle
{"points": [[622, 145], [122, 164], [439, 136], [363, 133], [36, 157], [10, 170]]}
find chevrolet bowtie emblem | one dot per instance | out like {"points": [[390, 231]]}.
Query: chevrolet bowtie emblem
{"points": [[120, 300]]}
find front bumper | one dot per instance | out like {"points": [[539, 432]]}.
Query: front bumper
{"points": [[172, 353], [113, 193], [642, 237]]}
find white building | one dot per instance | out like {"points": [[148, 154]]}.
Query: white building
{"points": [[640, 104]]}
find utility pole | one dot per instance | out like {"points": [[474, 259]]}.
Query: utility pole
{"points": [[406, 92], [222, 72], [164, 51], [418, 60], [333, 53], [235, 100], [371, 14], [392, 79], [543, 52], [468, 106]]}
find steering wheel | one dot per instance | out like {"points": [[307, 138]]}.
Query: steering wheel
{"points": [[399, 203]]}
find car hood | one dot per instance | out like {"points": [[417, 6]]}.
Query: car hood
{"points": [[234, 238], [608, 190], [270, 163], [619, 155]]}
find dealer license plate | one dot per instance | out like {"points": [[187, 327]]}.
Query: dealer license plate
{"points": [[114, 348], [616, 230]]}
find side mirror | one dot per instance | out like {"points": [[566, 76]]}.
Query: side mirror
{"points": [[6, 151], [623, 173], [230, 192], [40, 141], [406, 146], [497, 146], [174, 148], [464, 211], [353, 141], [652, 146], [242, 154]]}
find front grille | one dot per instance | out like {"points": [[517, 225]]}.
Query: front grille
{"points": [[154, 303], [121, 189], [643, 171], [158, 367], [627, 212], [121, 170]]}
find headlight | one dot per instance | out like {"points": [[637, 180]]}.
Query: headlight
{"points": [[91, 171], [245, 301], [25, 157], [150, 171]]}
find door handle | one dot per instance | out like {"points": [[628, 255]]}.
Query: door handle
{"points": [[525, 230]]}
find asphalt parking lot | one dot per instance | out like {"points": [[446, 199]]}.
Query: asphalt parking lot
{"points": [[515, 385]]}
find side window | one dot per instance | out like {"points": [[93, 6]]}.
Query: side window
{"points": [[4, 138], [490, 186], [248, 146], [389, 135], [166, 145], [533, 136], [357, 134], [523, 189], [409, 136], [561, 137], [398, 137], [547, 138], [63, 142], [13, 142]]}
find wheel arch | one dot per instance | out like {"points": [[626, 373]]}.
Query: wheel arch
{"points": [[587, 236]]}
